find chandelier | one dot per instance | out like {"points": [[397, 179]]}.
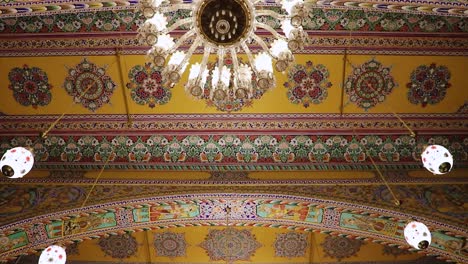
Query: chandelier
{"points": [[224, 28]]}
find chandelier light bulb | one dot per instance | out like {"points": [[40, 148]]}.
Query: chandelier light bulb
{"points": [[53, 255], [16, 162], [159, 21], [289, 4], [417, 235], [437, 159]]}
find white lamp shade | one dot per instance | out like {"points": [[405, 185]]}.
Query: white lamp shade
{"points": [[417, 235], [156, 3], [165, 42], [263, 62], [279, 46], [437, 159], [195, 71], [177, 58], [289, 4], [245, 73], [159, 21], [287, 27], [225, 76], [53, 255], [16, 162]]}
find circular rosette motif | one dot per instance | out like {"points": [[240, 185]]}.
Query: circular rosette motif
{"points": [[230, 244], [89, 85], [428, 84], [340, 247], [169, 244], [30, 86], [369, 84], [147, 86], [119, 246], [291, 245], [307, 84]]}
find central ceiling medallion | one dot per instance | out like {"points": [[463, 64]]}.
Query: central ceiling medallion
{"points": [[227, 28], [224, 22]]}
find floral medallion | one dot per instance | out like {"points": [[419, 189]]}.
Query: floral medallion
{"points": [[89, 85], [30, 86], [428, 84], [147, 86], [291, 245], [369, 84], [307, 84], [340, 247], [119, 246], [169, 244], [230, 244]]}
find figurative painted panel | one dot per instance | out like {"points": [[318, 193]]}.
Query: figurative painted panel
{"points": [[428, 84], [453, 244], [89, 85], [230, 244], [147, 87], [119, 246], [12, 241], [371, 224], [30, 86], [291, 244], [369, 84], [307, 84], [167, 211], [295, 212], [80, 224], [170, 244]]}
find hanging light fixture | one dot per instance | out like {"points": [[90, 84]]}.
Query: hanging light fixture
{"points": [[16, 162], [224, 28], [53, 255], [417, 235], [437, 159]]}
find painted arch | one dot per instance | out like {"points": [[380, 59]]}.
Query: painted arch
{"points": [[355, 221]]}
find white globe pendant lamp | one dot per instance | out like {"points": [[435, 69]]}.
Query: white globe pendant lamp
{"points": [[53, 255], [437, 159], [417, 235], [16, 162]]}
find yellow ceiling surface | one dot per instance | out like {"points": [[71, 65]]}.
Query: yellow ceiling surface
{"points": [[274, 101]]}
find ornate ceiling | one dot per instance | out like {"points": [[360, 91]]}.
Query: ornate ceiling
{"points": [[295, 165]]}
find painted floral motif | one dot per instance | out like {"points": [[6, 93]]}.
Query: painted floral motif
{"points": [[147, 86], [89, 85], [230, 244], [428, 84], [369, 84], [307, 84], [170, 244], [291, 245], [340, 247], [231, 149], [30, 86], [119, 246]]}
